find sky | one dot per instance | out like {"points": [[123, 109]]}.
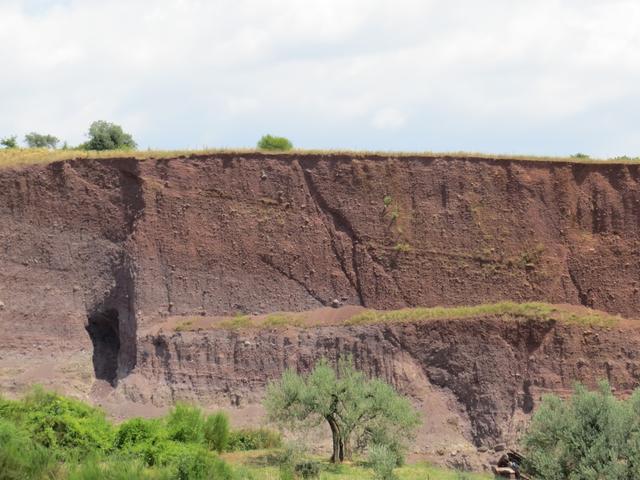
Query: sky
{"points": [[538, 77]]}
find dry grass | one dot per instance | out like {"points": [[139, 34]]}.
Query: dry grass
{"points": [[33, 156], [505, 310], [533, 311]]}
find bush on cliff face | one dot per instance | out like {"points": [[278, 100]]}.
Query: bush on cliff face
{"points": [[269, 142], [591, 435]]}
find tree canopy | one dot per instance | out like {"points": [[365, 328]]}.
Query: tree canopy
{"points": [[270, 142], [38, 140], [592, 435], [357, 410], [108, 136], [9, 142]]}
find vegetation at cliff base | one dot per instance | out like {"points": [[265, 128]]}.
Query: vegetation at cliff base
{"points": [[592, 435], [360, 412], [45, 435]]}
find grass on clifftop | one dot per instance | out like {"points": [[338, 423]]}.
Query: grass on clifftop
{"points": [[13, 157]]}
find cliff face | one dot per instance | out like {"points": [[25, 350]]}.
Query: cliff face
{"points": [[494, 370], [94, 252]]}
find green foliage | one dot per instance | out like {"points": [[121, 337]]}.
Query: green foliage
{"points": [[592, 435], [108, 136], [382, 461], [135, 431], [254, 439], [201, 465], [580, 155], [307, 469], [69, 428], [387, 200], [9, 142], [116, 470], [20, 457], [216, 431], [269, 142], [356, 409], [185, 423], [39, 140]]}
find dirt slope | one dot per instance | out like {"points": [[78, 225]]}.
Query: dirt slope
{"points": [[92, 252]]}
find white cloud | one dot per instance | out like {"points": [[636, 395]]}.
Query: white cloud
{"points": [[389, 119], [533, 76]]}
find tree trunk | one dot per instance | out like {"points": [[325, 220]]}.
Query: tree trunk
{"points": [[337, 455], [346, 448], [341, 450]]}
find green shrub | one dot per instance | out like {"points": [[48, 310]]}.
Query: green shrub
{"points": [[591, 435], [185, 423], [387, 200], [69, 428], [382, 461], [136, 431], [269, 142], [108, 136], [307, 469], [21, 458], [201, 465], [39, 140], [116, 470], [216, 431], [9, 142], [254, 439]]}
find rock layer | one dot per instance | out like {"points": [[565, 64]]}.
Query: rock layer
{"points": [[94, 252]]}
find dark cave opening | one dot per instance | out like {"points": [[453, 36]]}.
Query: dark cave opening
{"points": [[104, 330]]}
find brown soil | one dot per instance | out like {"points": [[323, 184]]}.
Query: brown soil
{"points": [[96, 255]]}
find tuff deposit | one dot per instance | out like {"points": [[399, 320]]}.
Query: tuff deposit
{"points": [[94, 253]]}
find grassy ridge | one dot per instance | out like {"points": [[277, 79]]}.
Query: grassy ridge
{"points": [[32, 156], [532, 311], [507, 310]]}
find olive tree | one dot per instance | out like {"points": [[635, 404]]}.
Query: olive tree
{"points": [[592, 435], [357, 410]]}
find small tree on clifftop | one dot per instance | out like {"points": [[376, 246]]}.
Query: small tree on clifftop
{"points": [[108, 136], [38, 140], [270, 142], [358, 411]]}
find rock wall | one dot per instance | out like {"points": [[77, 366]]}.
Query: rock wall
{"points": [[112, 246]]}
